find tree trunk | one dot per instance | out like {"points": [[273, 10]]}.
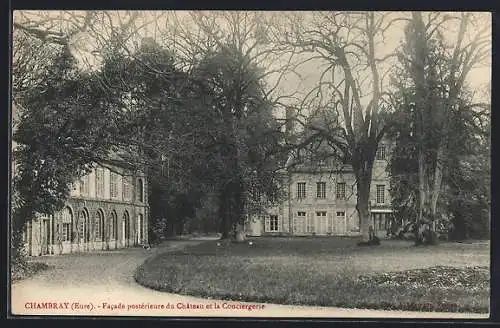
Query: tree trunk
{"points": [[224, 227], [436, 187], [240, 233], [421, 187], [363, 178]]}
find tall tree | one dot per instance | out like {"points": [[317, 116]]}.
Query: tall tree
{"points": [[159, 122], [439, 81], [241, 136], [346, 43], [62, 131]]}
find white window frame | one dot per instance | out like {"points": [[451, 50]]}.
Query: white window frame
{"points": [[99, 182], [340, 193], [380, 194], [66, 232], [301, 192], [99, 227], [272, 223], [381, 153], [321, 190], [67, 225], [310, 227], [127, 188], [113, 185]]}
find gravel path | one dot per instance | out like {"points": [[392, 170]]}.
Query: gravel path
{"points": [[102, 283]]}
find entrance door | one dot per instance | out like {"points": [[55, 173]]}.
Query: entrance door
{"points": [[339, 223], [321, 223], [299, 223]]}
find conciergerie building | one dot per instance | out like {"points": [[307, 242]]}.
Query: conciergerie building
{"points": [[107, 209]]}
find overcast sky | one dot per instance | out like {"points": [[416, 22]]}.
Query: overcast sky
{"points": [[308, 74]]}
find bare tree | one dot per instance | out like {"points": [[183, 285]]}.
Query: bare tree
{"points": [[470, 48], [350, 46]]}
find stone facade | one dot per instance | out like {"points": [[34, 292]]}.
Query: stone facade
{"points": [[321, 200], [107, 209]]}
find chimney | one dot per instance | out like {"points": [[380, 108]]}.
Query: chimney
{"points": [[290, 123]]}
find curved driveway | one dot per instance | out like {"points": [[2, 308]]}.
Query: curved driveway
{"points": [[102, 284]]}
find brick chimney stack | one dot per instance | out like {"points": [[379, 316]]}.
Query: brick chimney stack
{"points": [[290, 118]]}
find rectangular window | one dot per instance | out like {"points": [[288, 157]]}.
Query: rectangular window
{"points": [[380, 194], [381, 152], [66, 232], [301, 190], [341, 190], [321, 189], [84, 185], [113, 185], [127, 188], [99, 182], [272, 223], [341, 214]]}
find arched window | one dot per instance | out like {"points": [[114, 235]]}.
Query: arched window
{"points": [[126, 227], [84, 226], [99, 226], [140, 190], [67, 225], [113, 226], [140, 224]]}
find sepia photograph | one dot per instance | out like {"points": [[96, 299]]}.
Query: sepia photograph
{"points": [[260, 164]]}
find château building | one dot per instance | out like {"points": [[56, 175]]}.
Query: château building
{"points": [[320, 199]]}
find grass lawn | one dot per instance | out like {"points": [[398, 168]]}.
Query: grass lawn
{"points": [[26, 270], [329, 272]]}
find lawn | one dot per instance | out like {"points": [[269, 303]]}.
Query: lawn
{"points": [[329, 272], [26, 270]]}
